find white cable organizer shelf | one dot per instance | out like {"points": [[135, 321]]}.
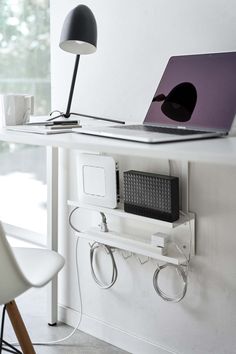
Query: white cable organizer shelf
{"points": [[128, 243], [119, 212], [143, 246]]}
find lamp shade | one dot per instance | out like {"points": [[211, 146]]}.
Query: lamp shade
{"points": [[79, 31]]}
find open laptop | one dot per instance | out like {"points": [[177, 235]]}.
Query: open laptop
{"points": [[195, 99]]}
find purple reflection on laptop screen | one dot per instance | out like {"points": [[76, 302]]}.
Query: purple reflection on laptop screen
{"points": [[197, 91]]}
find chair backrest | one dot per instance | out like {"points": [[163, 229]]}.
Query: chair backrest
{"points": [[12, 280]]}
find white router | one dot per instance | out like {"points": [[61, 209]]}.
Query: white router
{"points": [[98, 182]]}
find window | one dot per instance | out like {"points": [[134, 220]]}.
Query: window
{"points": [[25, 50], [25, 68]]}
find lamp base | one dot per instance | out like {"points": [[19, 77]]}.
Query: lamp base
{"points": [[64, 115]]}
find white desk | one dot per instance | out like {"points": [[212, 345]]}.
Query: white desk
{"points": [[221, 151], [217, 150]]}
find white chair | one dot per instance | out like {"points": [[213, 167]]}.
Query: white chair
{"points": [[20, 270]]}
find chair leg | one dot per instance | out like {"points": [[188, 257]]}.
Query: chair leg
{"points": [[19, 328], [2, 327], [10, 348], [3, 344]]}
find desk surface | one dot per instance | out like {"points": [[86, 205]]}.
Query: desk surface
{"points": [[217, 150]]}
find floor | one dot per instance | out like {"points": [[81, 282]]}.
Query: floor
{"points": [[36, 323]]}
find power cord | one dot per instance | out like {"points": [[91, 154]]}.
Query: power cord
{"points": [[55, 342], [160, 292], [93, 250], [80, 317], [179, 268], [108, 249]]}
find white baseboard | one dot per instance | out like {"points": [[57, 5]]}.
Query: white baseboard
{"points": [[111, 334]]}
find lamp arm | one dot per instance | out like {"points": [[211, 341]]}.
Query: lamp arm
{"points": [[67, 114], [99, 118]]}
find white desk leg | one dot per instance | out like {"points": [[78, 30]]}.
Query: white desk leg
{"points": [[52, 226]]}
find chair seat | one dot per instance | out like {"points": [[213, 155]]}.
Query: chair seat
{"points": [[20, 270], [38, 265]]}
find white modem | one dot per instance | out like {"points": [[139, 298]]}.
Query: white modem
{"points": [[98, 180]]}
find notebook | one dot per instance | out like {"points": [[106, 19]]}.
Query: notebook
{"points": [[195, 99], [37, 129], [44, 128]]}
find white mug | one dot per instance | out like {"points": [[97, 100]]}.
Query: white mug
{"points": [[15, 109]]}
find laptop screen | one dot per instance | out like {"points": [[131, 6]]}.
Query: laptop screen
{"points": [[196, 91]]}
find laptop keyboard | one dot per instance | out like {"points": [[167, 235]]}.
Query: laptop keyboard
{"points": [[148, 128]]}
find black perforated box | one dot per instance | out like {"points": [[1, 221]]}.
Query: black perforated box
{"points": [[151, 195]]}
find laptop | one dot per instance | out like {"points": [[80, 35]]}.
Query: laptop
{"points": [[195, 99]]}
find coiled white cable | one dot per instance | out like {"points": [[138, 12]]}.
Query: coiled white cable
{"points": [[160, 292], [114, 276], [183, 273], [93, 249]]}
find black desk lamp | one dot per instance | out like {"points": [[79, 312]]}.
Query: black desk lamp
{"points": [[78, 36]]}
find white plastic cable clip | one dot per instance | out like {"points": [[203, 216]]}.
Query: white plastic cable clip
{"points": [[160, 240]]}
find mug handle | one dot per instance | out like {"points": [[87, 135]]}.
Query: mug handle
{"points": [[29, 101], [31, 98]]}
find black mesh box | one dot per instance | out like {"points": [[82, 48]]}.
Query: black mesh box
{"points": [[152, 195]]}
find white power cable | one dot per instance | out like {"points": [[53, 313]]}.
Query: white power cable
{"points": [[114, 276], [94, 248], [179, 268], [160, 292], [55, 342], [80, 317]]}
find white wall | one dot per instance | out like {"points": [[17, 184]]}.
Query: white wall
{"points": [[135, 41]]}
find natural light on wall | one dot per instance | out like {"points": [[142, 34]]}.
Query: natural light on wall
{"points": [[25, 68]]}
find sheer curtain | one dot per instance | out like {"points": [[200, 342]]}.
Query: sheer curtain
{"points": [[25, 68]]}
